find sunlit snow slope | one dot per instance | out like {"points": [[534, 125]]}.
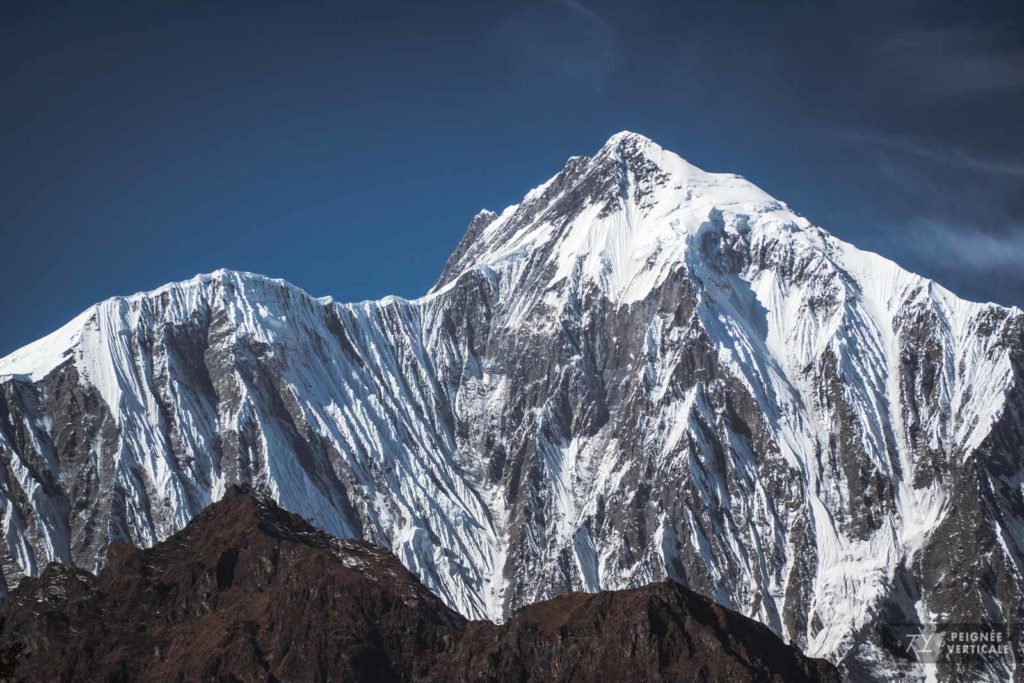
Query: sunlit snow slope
{"points": [[642, 370]]}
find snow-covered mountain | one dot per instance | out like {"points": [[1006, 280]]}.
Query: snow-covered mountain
{"points": [[641, 370]]}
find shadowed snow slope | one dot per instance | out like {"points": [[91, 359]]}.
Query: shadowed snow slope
{"points": [[642, 370]]}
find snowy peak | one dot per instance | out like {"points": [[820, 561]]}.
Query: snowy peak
{"points": [[622, 219], [37, 359], [624, 136], [640, 154], [99, 324], [476, 226]]}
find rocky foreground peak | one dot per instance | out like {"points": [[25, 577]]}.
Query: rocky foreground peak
{"points": [[249, 591]]}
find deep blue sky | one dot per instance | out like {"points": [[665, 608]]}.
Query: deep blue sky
{"points": [[344, 147]]}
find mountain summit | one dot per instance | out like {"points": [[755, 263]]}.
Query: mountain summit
{"points": [[640, 371], [623, 218]]}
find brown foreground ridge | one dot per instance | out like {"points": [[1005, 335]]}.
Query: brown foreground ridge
{"points": [[250, 592]]}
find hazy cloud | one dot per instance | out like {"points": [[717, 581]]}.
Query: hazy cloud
{"points": [[962, 246], [974, 263], [961, 60], [949, 214], [942, 154]]}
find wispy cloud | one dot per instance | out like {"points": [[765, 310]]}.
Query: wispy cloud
{"points": [[561, 39], [940, 153], [964, 246], [974, 263], [950, 214], [959, 60]]}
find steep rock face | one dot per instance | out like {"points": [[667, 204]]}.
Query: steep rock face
{"points": [[640, 371], [248, 591]]}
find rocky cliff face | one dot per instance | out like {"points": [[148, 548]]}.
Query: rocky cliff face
{"points": [[248, 591], [640, 371]]}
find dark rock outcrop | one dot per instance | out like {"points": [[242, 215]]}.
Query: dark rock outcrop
{"points": [[248, 591], [661, 632]]}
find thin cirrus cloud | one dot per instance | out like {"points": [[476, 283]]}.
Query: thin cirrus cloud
{"points": [[560, 40], [958, 246], [936, 152], [954, 61], [961, 214], [961, 256]]}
